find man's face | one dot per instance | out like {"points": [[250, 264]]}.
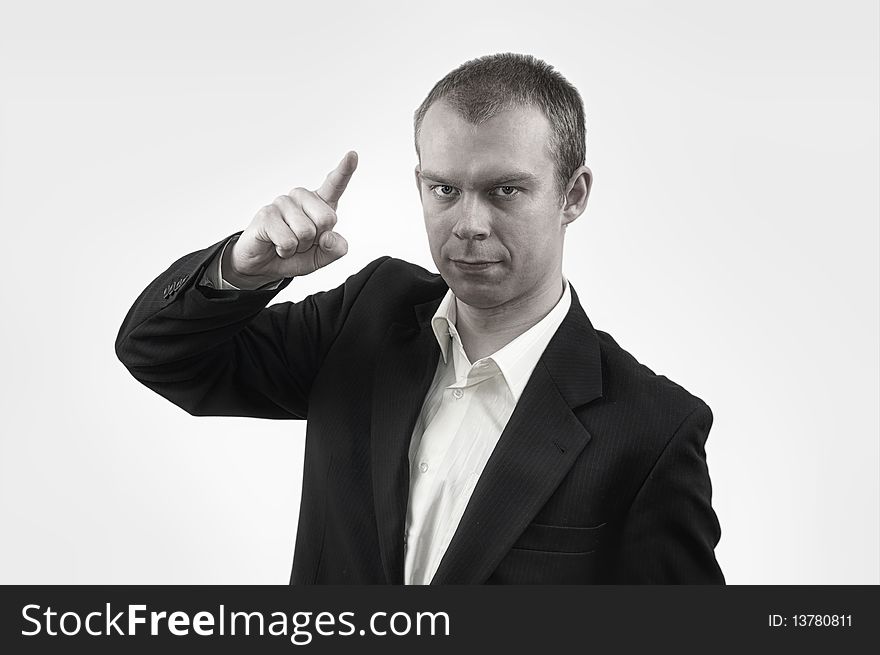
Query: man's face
{"points": [[493, 210]]}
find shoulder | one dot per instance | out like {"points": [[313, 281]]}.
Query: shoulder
{"points": [[389, 287], [397, 277], [634, 393], [391, 269]]}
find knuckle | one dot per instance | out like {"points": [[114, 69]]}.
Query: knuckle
{"points": [[307, 231], [264, 214], [289, 242], [327, 219]]}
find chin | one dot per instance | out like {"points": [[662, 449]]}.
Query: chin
{"points": [[481, 295], [477, 288]]}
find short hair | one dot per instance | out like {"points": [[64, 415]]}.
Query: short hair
{"points": [[482, 87]]}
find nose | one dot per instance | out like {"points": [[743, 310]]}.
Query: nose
{"points": [[474, 221]]}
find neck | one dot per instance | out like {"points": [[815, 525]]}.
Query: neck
{"points": [[484, 331]]}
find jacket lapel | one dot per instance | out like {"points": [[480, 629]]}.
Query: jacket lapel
{"points": [[406, 363], [537, 448]]}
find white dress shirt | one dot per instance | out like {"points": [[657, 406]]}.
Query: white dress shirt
{"points": [[465, 411]]}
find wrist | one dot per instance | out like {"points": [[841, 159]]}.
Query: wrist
{"points": [[243, 281]]}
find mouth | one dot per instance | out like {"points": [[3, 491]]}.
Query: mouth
{"points": [[474, 264]]}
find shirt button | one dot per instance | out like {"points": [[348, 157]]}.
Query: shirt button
{"points": [[423, 467], [458, 393]]}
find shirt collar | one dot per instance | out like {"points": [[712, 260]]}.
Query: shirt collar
{"points": [[516, 360]]}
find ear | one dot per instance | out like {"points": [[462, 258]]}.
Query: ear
{"points": [[576, 194]]}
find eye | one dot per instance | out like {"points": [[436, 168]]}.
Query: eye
{"points": [[444, 191], [505, 192]]}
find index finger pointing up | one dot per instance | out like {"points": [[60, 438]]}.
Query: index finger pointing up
{"points": [[334, 185]]}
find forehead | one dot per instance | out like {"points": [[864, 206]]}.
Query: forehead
{"points": [[513, 139]]}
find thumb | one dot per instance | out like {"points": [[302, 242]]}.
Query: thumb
{"points": [[331, 246]]}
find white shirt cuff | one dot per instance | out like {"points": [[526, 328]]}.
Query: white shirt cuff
{"points": [[213, 276]]}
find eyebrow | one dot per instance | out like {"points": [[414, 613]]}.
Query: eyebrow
{"points": [[499, 180]]}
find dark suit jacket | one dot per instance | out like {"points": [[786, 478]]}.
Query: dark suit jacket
{"points": [[599, 477]]}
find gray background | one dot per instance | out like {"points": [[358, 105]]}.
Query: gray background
{"points": [[731, 243]]}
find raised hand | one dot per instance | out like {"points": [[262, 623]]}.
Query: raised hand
{"points": [[292, 236]]}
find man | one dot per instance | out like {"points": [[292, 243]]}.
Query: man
{"points": [[467, 427]]}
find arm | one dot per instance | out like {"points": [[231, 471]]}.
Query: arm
{"points": [[670, 532], [215, 348], [223, 352]]}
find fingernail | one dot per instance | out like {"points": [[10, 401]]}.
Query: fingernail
{"points": [[329, 240]]}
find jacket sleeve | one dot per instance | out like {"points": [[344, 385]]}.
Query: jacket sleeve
{"points": [[670, 532], [216, 352]]}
